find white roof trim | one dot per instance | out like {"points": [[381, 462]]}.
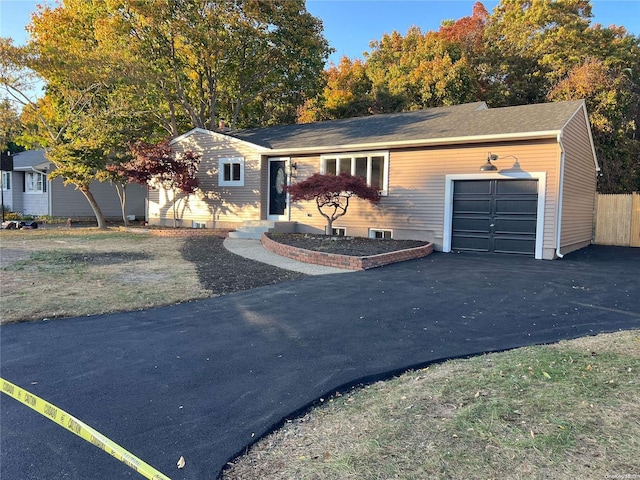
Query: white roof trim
{"points": [[38, 167], [421, 143], [217, 135]]}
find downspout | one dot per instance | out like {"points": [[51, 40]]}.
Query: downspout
{"points": [[560, 196]]}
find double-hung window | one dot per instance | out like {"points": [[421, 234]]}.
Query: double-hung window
{"points": [[231, 172], [373, 167], [34, 183]]}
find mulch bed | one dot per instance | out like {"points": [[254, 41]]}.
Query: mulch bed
{"points": [[352, 246], [223, 272]]}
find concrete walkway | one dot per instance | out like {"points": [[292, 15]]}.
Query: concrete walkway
{"points": [[254, 250]]}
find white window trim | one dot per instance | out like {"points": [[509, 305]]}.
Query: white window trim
{"points": [[372, 232], [222, 161], [448, 203], [351, 157], [337, 231], [35, 191]]}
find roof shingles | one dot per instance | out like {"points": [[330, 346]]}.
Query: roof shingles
{"points": [[467, 120]]}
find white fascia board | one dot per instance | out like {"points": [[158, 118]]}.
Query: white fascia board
{"points": [[219, 136], [38, 167], [419, 143]]}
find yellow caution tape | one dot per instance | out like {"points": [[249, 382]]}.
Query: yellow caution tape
{"points": [[80, 429]]}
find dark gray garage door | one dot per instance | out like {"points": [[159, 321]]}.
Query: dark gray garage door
{"points": [[495, 216]]}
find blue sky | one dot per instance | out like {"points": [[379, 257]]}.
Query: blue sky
{"points": [[351, 24]]}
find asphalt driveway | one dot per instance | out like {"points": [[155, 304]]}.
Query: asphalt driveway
{"points": [[205, 379]]}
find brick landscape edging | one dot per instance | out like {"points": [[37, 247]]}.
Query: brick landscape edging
{"points": [[344, 261]]}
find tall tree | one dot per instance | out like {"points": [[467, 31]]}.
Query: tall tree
{"points": [[541, 50], [240, 61], [10, 127], [613, 104], [347, 94], [533, 44]]}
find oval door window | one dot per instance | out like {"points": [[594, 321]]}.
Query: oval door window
{"points": [[280, 180]]}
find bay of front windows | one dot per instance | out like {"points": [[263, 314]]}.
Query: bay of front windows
{"points": [[373, 167]]}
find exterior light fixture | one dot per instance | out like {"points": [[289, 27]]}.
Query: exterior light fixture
{"points": [[488, 166], [293, 169]]}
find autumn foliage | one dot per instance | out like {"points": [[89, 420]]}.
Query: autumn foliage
{"points": [[523, 52], [332, 194], [157, 164]]}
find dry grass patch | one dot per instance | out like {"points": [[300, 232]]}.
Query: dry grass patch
{"points": [[62, 273], [563, 411]]}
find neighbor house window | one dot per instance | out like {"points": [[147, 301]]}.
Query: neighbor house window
{"points": [[380, 233], [34, 183], [231, 172], [339, 231], [373, 167], [6, 180]]}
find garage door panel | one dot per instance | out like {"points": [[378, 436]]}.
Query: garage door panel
{"points": [[517, 187], [515, 225], [481, 206], [462, 224], [516, 206], [472, 187], [474, 243], [514, 245]]}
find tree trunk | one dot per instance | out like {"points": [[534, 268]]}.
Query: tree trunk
{"points": [[122, 195], [329, 228], [175, 219], [102, 224]]}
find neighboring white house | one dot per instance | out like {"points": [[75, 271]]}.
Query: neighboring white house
{"points": [[28, 190]]}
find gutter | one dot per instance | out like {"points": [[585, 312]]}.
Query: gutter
{"points": [[560, 196]]}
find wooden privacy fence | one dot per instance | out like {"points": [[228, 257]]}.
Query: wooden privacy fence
{"points": [[617, 220]]}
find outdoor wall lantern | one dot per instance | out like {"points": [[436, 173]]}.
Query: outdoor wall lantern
{"points": [[293, 169], [488, 166]]}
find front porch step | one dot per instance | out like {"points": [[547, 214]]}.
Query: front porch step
{"points": [[253, 229]]}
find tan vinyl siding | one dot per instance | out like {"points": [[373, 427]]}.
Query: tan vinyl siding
{"points": [[215, 206], [414, 207], [579, 186]]}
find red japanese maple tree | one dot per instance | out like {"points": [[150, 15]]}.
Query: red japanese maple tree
{"points": [[156, 164], [332, 194]]}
